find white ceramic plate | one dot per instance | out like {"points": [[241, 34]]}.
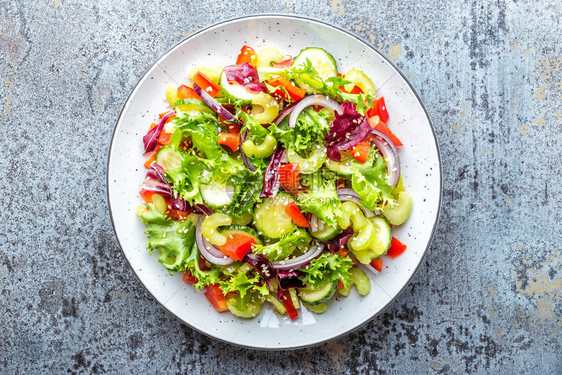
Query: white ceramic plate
{"points": [[219, 45]]}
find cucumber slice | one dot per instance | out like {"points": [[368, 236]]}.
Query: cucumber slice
{"points": [[270, 216], [236, 91], [310, 164], [400, 212], [325, 234], [360, 79], [343, 169], [232, 230], [243, 309], [383, 234], [217, 195], [168, 158], [318, 296], [321, 60]]}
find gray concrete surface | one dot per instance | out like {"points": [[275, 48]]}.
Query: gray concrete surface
{"points": [[488, 298]]}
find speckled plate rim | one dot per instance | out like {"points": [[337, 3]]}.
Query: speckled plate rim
{"points": [[368, 45]]}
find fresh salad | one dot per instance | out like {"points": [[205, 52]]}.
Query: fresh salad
{"points": [[270, 180]]}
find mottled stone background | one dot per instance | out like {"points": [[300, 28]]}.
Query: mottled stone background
{"points": [[488, 298]]}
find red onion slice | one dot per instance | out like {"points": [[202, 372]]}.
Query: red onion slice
{"points": [[247, 163], [285, 112], [207, 250], [321, 100], [150, 139], [215, 106], [300, 262], [350, 195], [390, 154], [316, 225], [202, 209]]}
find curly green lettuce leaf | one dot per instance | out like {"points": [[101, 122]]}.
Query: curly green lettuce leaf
{"points": [[371, 186], [309, 131], [286, 246], [187, 178], [204, 278], [327, 269], [256, 131], [225, 166], [203, 131], [247, 187], [307, 74], [173, 238], [242, 283], [321, 198]]}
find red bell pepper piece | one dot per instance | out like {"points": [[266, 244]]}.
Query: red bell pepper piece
{"points": [[189, 278], [164, 138], [247, 55], [185, 92], [146, 195], [396, 248], [206, 84], [361, 150], [288, 303], [216, 297], [230, 140], [238, 246], [379, 109], [377, 264], [289, 177], [381, 126], [161, 115], [295, 93], [293, 211], [233, 129], [355, 90]]}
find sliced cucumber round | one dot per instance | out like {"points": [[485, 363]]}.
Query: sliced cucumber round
{"points": [[360, 79], [325, 234], [270, 217], [322, 61], [243, 309], [236, 91], [168, 158], [217, 195], [343, 169], [318, 296]]}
